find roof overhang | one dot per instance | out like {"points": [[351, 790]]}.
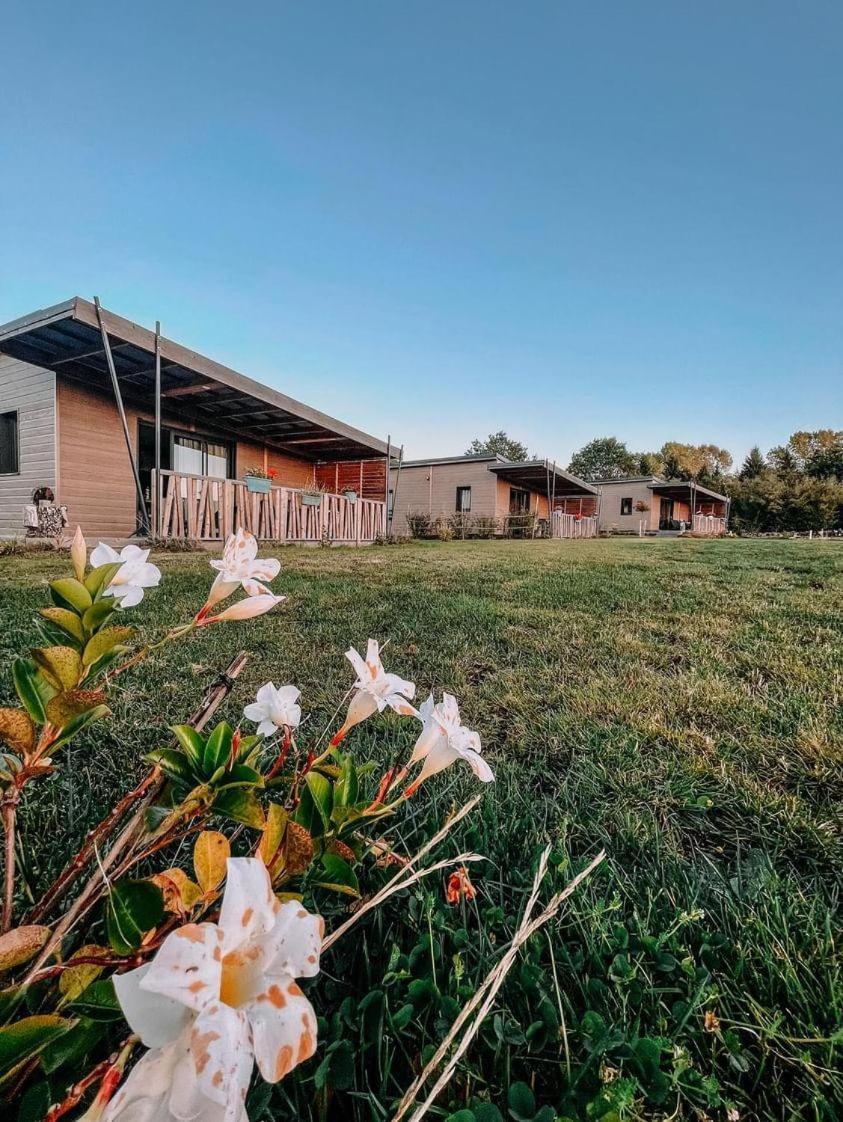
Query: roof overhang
{"points": [[684, 490], [544, 477], [66, 338]]}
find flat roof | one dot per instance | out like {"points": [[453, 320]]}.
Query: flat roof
{"points": [[678, 487], [66, 338], [542, 475], [482, 457]]}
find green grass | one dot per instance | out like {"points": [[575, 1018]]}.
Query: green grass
{"points": [[678, 702]]}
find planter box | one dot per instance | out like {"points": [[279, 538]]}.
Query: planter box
{"points": [[351, 496], [257, 485], [311, 500]]}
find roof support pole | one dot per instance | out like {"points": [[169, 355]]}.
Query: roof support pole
{"points": [[144, 514], [395, 488], [156, 499]]}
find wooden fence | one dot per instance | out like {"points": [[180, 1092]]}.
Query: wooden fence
{"points": [[708, 524], [200, 508], [571, 526]]}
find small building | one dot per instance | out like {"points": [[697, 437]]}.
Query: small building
{"points": [[649, 504], [492, 494], [137, 434]]}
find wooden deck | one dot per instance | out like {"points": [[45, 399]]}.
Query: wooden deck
{"points": [[200, 508]]}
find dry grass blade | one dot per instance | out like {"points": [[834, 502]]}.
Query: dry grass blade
{"points": [[485, 995]]}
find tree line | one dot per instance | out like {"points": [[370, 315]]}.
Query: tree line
{"points": [[796, 486]]}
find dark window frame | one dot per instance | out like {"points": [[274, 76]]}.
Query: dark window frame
{"points": [[15, 429], [626, 506], [459, 501]]}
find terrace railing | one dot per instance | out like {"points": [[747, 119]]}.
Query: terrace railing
{"points": [[572, 526], [709, 524], [201, 508]]}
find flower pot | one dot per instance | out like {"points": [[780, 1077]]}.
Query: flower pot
{"points": [[350, 495], [257, 485], [311, 500]]}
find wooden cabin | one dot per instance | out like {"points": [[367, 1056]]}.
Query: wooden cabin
{"points": [[492, 495], [649, 504], [138, 435]]}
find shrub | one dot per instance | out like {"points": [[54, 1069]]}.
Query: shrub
{"points": [[421, 524]]}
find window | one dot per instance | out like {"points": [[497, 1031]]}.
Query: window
{"points": [[463, 500], [9, 443], [626, 506]]}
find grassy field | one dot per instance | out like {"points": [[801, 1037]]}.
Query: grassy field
{"points": [[678, 702]]}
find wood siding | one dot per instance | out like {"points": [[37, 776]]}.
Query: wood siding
{"points": [[31, 392], [95, 477], [432, 489], [610, 506], [366, 477]]}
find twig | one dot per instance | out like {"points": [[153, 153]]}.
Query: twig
{"points": [[485, 995], [128, 835], [10, 805]]}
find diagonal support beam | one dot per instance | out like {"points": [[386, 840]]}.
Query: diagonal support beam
{"points": [[106, 346]]}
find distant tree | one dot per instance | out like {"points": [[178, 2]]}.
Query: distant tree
{"points": [[650, 463], [782, 460], [753, 465], [818, 453], [695, 461], [606, 457], [499, 443]]}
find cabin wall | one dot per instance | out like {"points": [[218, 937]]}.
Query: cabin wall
{"points": [[31, 392], [610, 506], [94, 474], [432, 489]]}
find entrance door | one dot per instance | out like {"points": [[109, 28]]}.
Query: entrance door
{"points": [[182, 451], [666, 515], [519, 501]]}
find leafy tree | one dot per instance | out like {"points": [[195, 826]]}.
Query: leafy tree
{"points": [[650, 463], [695, 461], [606, 457], [753, 465], [501, 444], [819, 453]]}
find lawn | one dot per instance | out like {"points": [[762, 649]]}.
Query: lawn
{"points": [[678, 702]]}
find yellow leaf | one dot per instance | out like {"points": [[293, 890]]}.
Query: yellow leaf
{"points": [[273, 833], [61, 666], [180, 892], [209, 857], [21, 944], [62, 708], [17, 730], [298, 849], [75, 979]]}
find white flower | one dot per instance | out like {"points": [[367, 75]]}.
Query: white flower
{"points": [[274, 709], [133, 576], [241, 565], [79, 554], [215, 1000], [443, 740], [375, 690]]}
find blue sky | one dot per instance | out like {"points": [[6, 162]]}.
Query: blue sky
{"points": [[440, 219]]}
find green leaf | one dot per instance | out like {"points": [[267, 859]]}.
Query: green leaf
{"points": [[61, 666], [487, 1112], [462, 1116], [35, 1102], [101, 577], [217, 748], [173, 764], [191, 742], [71, 594], [77, 724], [105, 641], [241, 776], [73, 1046], [321, 792], [68, 621], [337, 1069], [241, 805], [98, 1001], [521, 1102], [102, 664], [98, 613], [30, 690], [25, 1039], [134, 907], [346, 787], [340, 875]]}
